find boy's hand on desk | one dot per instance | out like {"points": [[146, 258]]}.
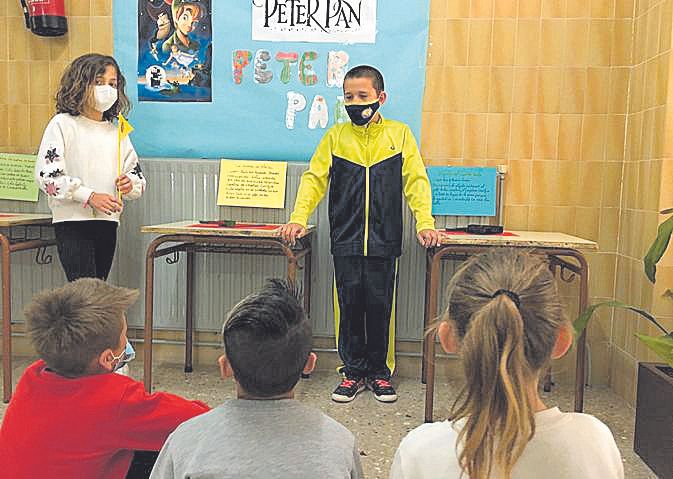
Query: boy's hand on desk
{"points": [[291, 232], [428, 238]]}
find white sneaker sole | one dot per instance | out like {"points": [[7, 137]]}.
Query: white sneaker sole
{"points": [[386, 398], [343, 399]]}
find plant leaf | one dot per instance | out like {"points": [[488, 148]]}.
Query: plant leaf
{"points": [[583, 319], [661, 346], [658, 248]]}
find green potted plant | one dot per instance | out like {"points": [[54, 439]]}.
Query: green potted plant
{"points": [[653, 440]]}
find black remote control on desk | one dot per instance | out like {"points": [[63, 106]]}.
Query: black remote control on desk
{"points": [[480, 229]]}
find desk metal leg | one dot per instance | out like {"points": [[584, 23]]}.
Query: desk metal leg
{"points": [[149, 306], [548, 381], [189, 318], [580, 369], [429, 343], [426, 319], [292, 269], [307, 284], [6, 322]]}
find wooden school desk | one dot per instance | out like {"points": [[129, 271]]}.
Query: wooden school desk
{"points": [[14, 237], [559, 248], [192, 237]]}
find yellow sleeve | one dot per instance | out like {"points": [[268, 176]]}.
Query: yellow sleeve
{"points": [[313, 184], [416, 184]]}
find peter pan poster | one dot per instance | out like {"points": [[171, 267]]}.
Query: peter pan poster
{"points": [[174, 50]]}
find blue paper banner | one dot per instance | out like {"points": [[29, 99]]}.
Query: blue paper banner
{"points": [[459, 191], [257, 86]]}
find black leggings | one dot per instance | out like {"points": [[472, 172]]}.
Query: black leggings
{"points": [[86, 248]]}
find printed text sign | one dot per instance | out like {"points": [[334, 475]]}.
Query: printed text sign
{"points": [[329, 21], [258, 184], [17, 177], [458, 191]]}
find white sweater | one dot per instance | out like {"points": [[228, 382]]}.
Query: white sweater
{"points": [[565, 446], [77, 157]]}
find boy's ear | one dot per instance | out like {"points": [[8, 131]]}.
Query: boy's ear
{"points": [[225, 367], [310, 363], [447, 337], [383, 96], [563, 342], [105, 361]]}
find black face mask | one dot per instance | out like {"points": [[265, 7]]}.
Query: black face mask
{"points": [[360, 115]]}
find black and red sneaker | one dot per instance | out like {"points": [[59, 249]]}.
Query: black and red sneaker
{"points": [[347, 389], [383, 390]]}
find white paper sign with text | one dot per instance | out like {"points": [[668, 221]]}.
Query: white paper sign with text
{"points": [[330, 21]]}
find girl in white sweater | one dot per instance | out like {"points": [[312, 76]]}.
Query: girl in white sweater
{"points": [[505, 315], [77, 165]]}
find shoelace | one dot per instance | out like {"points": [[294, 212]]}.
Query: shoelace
{"points": [[382, 383], [347, 383]]}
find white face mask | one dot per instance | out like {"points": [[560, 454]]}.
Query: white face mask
{"points": [[104, 97]]}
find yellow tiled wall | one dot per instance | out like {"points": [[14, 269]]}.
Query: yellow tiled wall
{"points": [[648, 187], [31, 66], [542, 86]]}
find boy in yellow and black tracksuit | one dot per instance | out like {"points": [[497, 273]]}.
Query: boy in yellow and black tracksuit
{"points": [[368, 165]]}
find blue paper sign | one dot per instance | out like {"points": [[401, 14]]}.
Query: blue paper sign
{"points": [[459, 191], [271, 100]]}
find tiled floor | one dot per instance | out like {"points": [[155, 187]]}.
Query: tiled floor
{"points": [[380, 427]]}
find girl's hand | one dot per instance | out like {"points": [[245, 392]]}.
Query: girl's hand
{"points": [[105, 203], [124, 185]]}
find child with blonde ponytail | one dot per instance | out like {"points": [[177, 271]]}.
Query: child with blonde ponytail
{"points": [[505, 317]]}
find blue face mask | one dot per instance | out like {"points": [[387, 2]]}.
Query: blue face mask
{"points": [[128, 355]]}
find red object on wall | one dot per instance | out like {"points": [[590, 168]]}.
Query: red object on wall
{"points": [[45, 17]]}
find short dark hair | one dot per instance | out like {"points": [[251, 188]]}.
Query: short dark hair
{"points": [[366, 71], [267, 340], [75, 88], [71, 325]]}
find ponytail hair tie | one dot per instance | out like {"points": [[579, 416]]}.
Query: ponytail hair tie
{"points": [[510, 294]]}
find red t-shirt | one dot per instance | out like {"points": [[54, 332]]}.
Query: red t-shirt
{"points": [[85, 427]]}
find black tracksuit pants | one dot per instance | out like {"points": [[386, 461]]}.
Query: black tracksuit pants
{"points": [[364, 305]]}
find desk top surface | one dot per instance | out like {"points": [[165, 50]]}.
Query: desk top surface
{"points": [[533, 239], [242, 229], [24, 219]]}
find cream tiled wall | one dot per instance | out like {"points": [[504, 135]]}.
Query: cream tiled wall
{"points": [[648, 187], [542, 86], [31, 66]]}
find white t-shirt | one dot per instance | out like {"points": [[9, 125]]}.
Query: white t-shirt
{"points": [[78, 156], [565, 446]]}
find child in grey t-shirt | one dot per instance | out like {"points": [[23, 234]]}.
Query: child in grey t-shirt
{"points": [[264, 432]]}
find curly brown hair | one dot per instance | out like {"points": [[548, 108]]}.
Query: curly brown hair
{"points": [[77, 80]]}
